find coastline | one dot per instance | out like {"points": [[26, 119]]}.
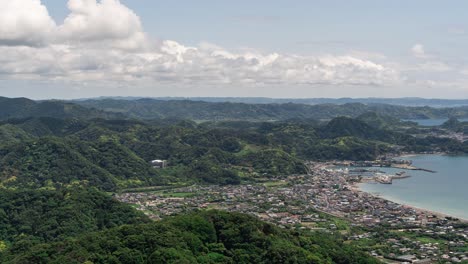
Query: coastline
{"points": [[356, 187]]}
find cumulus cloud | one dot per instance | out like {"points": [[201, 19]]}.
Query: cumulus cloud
{"points": [[25, 22], [175, 63], [104, 41], [108, 20]]}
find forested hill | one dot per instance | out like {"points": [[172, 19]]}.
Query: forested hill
{"points": [[14, 108], [51, 153], [199, 110], [58, 158], [53, 173], [204, 237], [22, 108]]}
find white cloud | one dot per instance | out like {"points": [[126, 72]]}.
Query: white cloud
{"points": [[25, 22], [418, 51], [175, 63], [105, 42], [107, 20]]}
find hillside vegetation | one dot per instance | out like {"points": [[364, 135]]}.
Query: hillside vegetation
{"points": [[31, 216], [60, 162], [16, 108], [22, 108], [50, 153], [204, 237], [200, 110]]}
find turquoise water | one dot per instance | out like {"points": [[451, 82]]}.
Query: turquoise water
{"points": [[445, 191], [433, 122]]}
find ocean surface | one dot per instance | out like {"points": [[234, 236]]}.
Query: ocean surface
{"points": [[433, 122], [445, 191]]}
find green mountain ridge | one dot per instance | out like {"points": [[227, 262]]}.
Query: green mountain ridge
{"points": [[146, 108], [55, 167], [203, 237], [11, 108], [45, 152], [38, 216], [200, 110]]}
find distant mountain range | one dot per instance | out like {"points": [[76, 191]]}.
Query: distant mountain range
{"points": [[406, 101], [14, 108], [148, 108]]}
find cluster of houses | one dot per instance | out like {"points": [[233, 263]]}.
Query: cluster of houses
{"points": [[413, 251], [301, 201], [256, 200], [444, 133]]}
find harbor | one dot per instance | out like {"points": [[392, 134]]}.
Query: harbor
{"points": [[377, 171], [328, 199]]}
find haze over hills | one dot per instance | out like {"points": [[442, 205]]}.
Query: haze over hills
{"points": [[23, 107], [148, 108], [404, 101]]}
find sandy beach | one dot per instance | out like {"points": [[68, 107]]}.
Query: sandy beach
{"points": [[356, 187]]}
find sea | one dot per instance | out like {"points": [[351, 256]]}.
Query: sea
{"points": [[445, 191]]}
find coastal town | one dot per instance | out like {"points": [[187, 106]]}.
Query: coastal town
{"points": [[327, 199]]}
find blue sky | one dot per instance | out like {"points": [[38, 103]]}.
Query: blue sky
{"points": [[325, 48], [303, 26]]}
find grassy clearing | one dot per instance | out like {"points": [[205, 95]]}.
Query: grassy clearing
{"points": [[248, 148]]}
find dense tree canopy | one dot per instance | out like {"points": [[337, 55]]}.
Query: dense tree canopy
{"points": [[32, 216], [204, 237], [115, 154], [57, 158]]}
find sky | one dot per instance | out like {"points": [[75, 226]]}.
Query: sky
{"points": [[289, 49]]}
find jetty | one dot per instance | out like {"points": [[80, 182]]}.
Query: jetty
{"points": [[410, 167]]}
